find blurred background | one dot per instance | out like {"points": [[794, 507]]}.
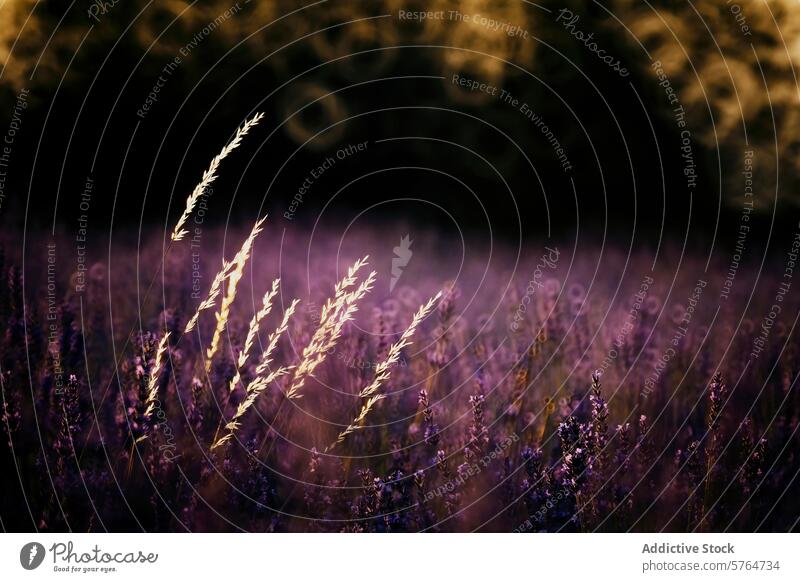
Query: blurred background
{"points": [[625, 168], [138, 96]]}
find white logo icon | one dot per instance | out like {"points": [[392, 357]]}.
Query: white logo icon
{"points": [[31, 555], [402, 255]]}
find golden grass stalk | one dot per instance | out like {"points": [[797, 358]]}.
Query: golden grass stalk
{"points": [[254, 390], [261, 382], [324, 341], [213, 292], [237, 271], [266, 307], [252, 332], [272, 341], [152, 386], [330, 307], [210, 175], [342, 313], [337, 311], [383, 371]]}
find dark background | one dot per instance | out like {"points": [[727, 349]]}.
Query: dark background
{"points": [[82, 122]]}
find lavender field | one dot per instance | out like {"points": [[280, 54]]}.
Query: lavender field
{"points": [[384, 266], [550, 391]]}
